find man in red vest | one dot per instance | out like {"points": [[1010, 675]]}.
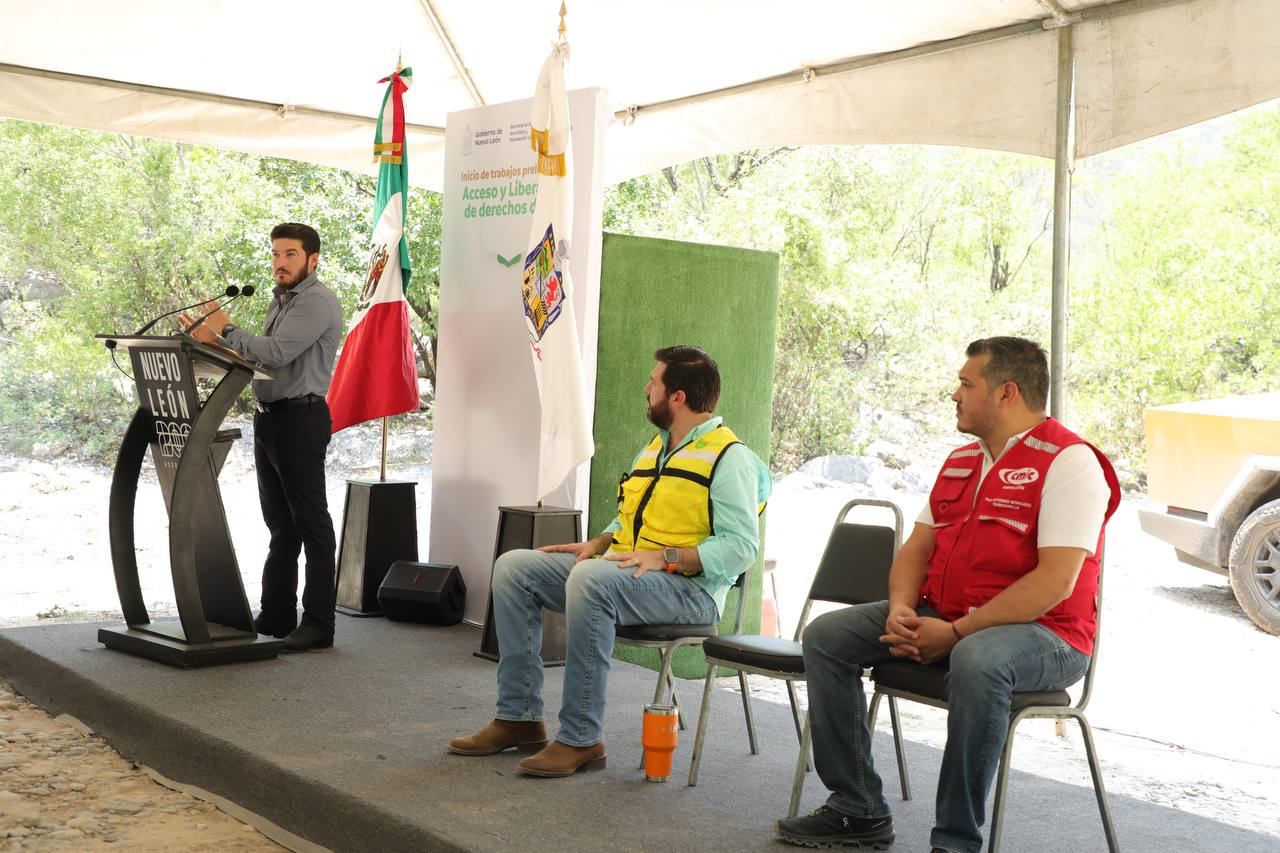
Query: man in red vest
{"points": [[998, 579]]}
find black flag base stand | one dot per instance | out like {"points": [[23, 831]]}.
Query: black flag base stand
{"points": [[532, 527], [379, 527], [166, 642]]}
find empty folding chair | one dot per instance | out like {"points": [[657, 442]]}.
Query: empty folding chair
{"points": [[854, 569]]}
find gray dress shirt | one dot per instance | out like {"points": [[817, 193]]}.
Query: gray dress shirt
{"points": [[298, 341]]}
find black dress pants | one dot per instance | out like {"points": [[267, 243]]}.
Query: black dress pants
{"points": [[289, 446]]}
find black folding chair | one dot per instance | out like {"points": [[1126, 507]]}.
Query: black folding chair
{"points": [[927, 685], [854, 569]]}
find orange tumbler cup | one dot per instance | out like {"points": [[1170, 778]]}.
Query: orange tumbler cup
{"points": [[659, 740]]}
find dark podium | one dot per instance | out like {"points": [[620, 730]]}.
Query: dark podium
{"points": [[215, 624]]}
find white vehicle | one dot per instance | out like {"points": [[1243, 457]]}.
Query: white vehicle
{"points": [[1213, 479]]}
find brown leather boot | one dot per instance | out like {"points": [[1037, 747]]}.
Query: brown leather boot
{"points": [[526, 736], [559, 759]]}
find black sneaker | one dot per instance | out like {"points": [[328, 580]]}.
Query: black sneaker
{"points": [[826, 827]]}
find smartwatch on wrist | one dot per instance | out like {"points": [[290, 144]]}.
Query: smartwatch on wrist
{"points": [[671, 557], [227, 328]]}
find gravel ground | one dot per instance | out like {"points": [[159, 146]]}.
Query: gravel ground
{"points": [[63, 789], [1185, 709]]}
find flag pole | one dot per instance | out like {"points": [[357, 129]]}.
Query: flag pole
{"points": [[383, 476]]}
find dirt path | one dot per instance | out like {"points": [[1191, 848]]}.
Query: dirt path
{"points": [[61, 789]]}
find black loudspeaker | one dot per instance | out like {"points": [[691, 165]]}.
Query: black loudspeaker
{"points": [[423, 592]]}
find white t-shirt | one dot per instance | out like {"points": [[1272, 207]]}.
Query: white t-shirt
{"points": [[1073, 500]]}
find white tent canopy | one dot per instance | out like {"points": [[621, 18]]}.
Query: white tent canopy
{"points": [[300, 80]]}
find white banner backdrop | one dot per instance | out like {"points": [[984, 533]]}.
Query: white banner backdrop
{"points": [[487, 414]]}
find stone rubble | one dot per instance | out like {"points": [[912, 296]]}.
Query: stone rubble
{"points": [[109, 804]]}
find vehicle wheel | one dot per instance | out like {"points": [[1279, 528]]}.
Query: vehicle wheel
{"points": [[1255, 566]]}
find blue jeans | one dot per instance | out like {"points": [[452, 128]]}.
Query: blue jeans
{"points": [[986, 667], [594, 595]]}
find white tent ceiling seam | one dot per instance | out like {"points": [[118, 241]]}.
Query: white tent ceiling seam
{"points": [[979, 74]]}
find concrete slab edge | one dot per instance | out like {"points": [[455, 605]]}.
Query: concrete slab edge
{"points": [[314, 811]]}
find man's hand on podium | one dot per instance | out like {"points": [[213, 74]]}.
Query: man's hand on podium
{"points": [[206, 332]]}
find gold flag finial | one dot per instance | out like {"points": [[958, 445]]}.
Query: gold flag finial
{"points": [[399, 61], [563, 12]]}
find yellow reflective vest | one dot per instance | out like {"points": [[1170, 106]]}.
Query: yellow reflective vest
{"points": [[670, 507]]}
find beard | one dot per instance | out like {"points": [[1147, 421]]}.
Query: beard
{"points": [[660, 415], [293, 279]]}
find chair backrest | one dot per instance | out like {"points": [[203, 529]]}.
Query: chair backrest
{"points": [[1097, 635], [854, 568], [740, 584]]}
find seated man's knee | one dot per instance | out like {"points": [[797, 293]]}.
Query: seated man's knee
{"points": [[509, 567], [972, 667], [832, 632], [590, 578]]}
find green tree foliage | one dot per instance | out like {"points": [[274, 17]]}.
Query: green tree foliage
{"points": [[1178, 300], [129, 227], [893, 259]]}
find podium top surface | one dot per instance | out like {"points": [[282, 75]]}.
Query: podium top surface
{"points": [[211, 354]]}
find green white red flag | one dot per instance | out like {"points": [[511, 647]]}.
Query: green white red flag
{"points": [[377, 372]]}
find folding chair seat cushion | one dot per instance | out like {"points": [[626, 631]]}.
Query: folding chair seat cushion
{"points": [[761, 652], [930, 681], [662, 633]]}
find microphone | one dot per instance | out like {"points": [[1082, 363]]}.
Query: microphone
{"points": [[231, 291], [247, 290]]}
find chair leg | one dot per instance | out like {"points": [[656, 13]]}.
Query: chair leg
{"points": [[897, 747], [675, 700], [795, 716], [702, 725], [802, 761], [1002, 782], [746, 707], [872, 710], [659, 692], [1095, 769], [664, 675], [777, 608]]}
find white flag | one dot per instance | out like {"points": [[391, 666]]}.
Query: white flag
{"points": [[565, 441]]}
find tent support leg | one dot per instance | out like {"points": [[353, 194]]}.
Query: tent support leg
{"points": [[1063, 165]]}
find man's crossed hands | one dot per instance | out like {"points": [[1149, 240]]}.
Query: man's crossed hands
{"points": [[923, 639]]}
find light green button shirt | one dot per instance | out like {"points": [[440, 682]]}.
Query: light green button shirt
{"points": [[741, 483]]}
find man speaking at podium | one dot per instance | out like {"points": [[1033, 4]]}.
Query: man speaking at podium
{"points": [[291, 434]]}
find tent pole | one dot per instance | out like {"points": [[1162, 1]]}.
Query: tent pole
{"points": [[1063, 164]]}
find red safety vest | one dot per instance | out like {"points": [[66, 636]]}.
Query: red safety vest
{"points": [[983, 546]]}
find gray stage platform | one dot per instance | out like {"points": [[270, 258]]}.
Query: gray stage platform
{"points": [[346, 748]]}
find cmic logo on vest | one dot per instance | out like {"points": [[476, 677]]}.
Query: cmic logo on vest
{"points": [[1019, 476]]}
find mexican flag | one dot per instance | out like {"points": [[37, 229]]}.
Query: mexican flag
{"points": [[565, 439], [377, 374]]}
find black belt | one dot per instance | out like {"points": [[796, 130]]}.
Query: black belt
{"points": [[289, 403]]}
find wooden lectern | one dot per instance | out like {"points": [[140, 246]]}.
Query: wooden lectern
{"points": [[215, 624]]}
